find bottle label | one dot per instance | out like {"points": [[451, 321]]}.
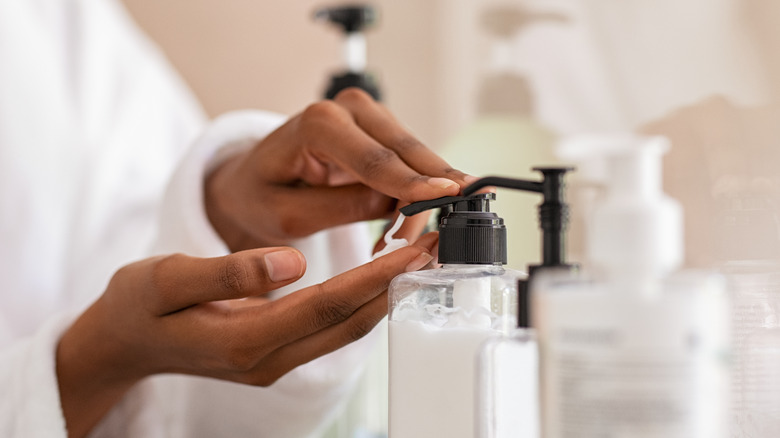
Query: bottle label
{"points": [[632, 368], [639, 394], [756, 375]]}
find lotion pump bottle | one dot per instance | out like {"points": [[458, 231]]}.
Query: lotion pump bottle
{"points": [[507, 402], [438, 318], [629, 346], [353, 20]]}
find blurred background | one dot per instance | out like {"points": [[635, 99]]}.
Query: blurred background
{"points": [[494, 86]]}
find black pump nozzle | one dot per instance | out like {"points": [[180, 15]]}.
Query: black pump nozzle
{"points": [[352, 20], [553, 211], [553, 221], [469, 233]]}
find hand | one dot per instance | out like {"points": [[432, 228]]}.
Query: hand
{"points": [[337, 162], [179, 314]]}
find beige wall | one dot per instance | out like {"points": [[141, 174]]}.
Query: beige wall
{"points": [[606, 67], [271, 55]]}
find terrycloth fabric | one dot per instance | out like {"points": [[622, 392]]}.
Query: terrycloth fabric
{"points": [[94, 125]]}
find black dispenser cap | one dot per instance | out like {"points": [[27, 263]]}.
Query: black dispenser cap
{"points": [[365, 81], [351, 18], [469, 233], [553, 211], [553, 221]]}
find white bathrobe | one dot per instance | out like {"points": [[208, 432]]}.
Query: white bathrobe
{"points": [[93, 125]]}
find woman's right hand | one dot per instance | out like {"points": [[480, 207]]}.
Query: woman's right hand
{"points": [[180, 314]]}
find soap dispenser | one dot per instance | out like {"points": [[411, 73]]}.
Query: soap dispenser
{"points": [[630, 346], [353, 20], [507, 397], [440, 318]]}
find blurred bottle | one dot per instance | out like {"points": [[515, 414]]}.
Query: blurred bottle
{"points": [[353, 20], [505, 138], [749, 251], [632, 346]]}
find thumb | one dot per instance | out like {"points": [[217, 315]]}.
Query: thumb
{"points": [[180, 281]]}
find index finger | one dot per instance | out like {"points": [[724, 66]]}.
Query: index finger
{"points": [[318, 307], [180, 281], [335, 137], [381, 125]]}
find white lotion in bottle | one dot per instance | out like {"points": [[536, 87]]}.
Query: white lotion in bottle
{"points": [[439, 319]]}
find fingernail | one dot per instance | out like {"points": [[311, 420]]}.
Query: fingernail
{"points": [[419, 262], [283, 265], [469, 179], [441, 183]]}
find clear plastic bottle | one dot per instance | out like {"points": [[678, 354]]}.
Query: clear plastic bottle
{"points": [[507, 404], [439, 318]]}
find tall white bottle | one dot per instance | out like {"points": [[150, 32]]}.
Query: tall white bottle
{"points": [[629, 347]]}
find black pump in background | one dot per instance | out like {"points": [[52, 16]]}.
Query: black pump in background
{"points": [[553, 221], [353, 20]]}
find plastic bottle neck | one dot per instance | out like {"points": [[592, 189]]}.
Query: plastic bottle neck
{"points": [[636, 177], [457, 266]]}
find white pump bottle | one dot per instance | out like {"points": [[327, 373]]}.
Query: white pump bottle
{"points": [[629, 347]]}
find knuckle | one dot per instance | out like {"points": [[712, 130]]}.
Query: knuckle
{"points": [[267, 378], [234, 276], [407, 144], [124, 272], [353, 95], [376, 160], [160, 282], [262, 379], [321, 111], [356, 328], [359, 210], [285, 222], [238, 359], [453, 173], [161, 269], [292, 227], [330, 310]]}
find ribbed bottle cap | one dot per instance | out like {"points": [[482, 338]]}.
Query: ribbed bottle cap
{"points": [[471, 234]]}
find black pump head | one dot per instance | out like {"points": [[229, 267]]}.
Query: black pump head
{"points": [[353, 18], [365, 81], [553, 211], [468, 233], [553, 220]]}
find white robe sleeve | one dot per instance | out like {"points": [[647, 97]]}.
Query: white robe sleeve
{"points": [[92, 124], [302, 402], [30, 404], [184, 226]]}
